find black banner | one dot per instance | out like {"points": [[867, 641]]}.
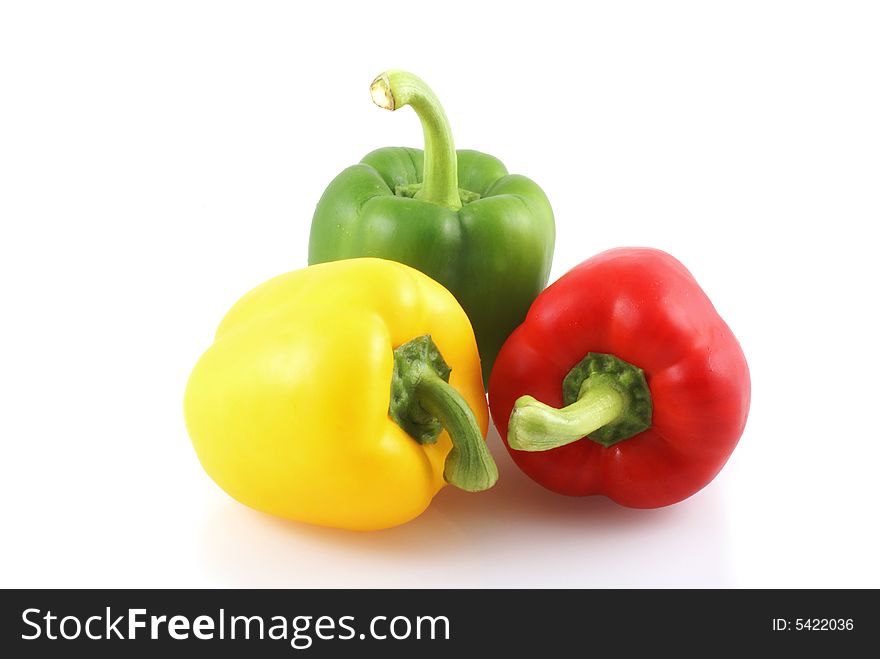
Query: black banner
{"points": [[289, 623]]}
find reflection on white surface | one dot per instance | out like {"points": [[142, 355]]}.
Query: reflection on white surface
{"points": [[515, 535]]}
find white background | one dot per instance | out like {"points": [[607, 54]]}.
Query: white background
{"points": [[159, 159]]}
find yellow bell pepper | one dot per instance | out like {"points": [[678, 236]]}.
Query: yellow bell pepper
{"points": [[326, 397]]}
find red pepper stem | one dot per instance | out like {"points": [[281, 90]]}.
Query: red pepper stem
{"points": [[394, 89], [535, 426]]}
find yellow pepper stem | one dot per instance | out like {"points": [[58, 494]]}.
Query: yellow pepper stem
{"points": [[423, 403], [469, 465]]}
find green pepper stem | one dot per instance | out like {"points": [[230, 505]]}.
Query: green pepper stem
{"points": [[394, 89], [469, 465], [535, 426]]}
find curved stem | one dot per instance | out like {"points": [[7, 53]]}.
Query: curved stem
{"points": [[394, 89], [535, 426], [608, 401], [423, 404], [469, 465]]}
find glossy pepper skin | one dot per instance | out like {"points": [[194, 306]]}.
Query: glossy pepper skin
{"points": [[290, 409], [639, 308], [459, 217]]}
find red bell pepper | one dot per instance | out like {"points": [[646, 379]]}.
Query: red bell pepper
{"points": [[655, 386]]}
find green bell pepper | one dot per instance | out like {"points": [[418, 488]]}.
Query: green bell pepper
{"points": [[459, 217]]}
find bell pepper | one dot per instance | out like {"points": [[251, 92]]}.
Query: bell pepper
{"points": [[459, 217], [624, 381], [345, 395]]}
